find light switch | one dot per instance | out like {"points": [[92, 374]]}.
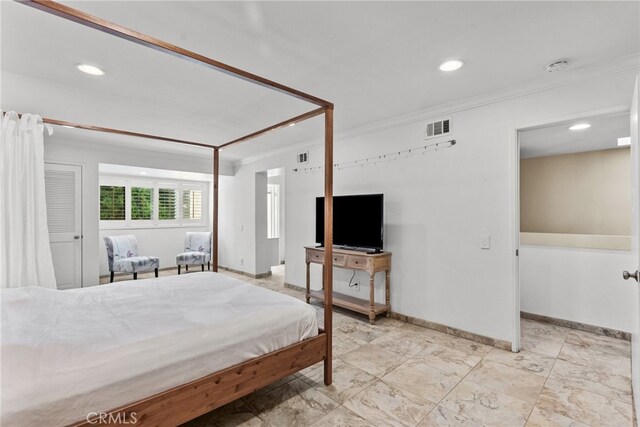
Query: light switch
{"points": [[485, 242]]}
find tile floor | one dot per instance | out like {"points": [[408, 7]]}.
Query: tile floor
{"points": [[397, 374]]}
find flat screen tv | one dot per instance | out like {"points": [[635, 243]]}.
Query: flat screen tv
{"points": [[358, 221]]}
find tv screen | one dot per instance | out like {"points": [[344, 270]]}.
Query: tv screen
{"points": [[357, 221]]}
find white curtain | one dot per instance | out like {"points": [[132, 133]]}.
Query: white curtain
{"points": [[25, 254]]}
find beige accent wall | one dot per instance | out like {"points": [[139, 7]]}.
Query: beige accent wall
{"points": [[581, 193]]}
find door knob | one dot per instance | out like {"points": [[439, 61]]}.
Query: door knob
{"points": [[76, 237], [626, 275]]}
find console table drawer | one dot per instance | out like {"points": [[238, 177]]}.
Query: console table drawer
{"points": [[315, 256], [339, 260], [357, 262]]}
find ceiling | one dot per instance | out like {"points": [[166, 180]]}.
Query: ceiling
{"points": [[374, 60], [558, 139]]}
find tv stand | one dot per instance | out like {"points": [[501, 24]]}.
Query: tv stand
{"points": [[353, 260]]}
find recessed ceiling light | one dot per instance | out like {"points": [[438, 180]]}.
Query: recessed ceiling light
{"points": [[292, 124], [623, 142], [580, 126], [90, 69], [143, 173], [451, 65], [67, 126]]}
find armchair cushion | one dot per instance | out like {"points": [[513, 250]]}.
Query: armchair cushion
{"points": [[193, 258], [136, 264]]}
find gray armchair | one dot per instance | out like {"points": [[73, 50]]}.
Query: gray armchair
{"points": [[122, 253], [197, 251]]}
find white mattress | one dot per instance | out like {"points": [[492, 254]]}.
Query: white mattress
{"points": [[68, 353]]}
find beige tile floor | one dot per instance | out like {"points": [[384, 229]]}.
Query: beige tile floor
{"points": [[397, 374]]}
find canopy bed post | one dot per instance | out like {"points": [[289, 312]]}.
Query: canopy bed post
{"points": [[214, 230], [328, 240]]}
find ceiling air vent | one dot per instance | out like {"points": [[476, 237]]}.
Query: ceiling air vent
{"points": [[302, 157], [438, 128]]}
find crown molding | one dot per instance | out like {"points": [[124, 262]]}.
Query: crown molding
{"points": [[549, 82]]}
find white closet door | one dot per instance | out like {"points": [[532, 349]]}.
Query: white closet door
{"points": [[63, 186]]}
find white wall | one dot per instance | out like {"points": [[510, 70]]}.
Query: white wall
{"points": [[89, 155], [437, 206], [582, 285], [261, 257]]}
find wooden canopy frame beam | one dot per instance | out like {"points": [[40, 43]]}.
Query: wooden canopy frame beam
{"points": [[280, 365], [123, 132], [285, 123]]}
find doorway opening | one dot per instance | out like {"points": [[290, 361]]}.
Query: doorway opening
{"points": [[275, 222], [270, 223], [574, 214]]}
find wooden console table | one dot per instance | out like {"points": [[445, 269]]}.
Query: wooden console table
{"points": [[353, 260]]}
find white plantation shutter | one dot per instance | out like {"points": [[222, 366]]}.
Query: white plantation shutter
{"points": [[60, 193], [141, 203], [192, 204], [167, 204], [112, 203]]}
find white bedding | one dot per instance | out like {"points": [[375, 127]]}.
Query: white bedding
{"points": [[68, 353]]}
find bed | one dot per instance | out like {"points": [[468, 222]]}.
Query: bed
{"points": [[67, 354], [188, 395]]}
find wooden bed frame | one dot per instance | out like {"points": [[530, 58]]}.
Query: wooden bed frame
{"points": [[188, 401]]}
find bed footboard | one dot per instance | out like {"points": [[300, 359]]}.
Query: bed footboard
{"points": [[188, 401]]}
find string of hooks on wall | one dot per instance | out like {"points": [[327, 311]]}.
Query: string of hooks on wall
{"points": [[388, 157]]}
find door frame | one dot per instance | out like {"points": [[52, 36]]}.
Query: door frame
{"points": [[514, 200], [82, 185]]}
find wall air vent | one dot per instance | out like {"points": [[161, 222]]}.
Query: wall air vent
{"points": [[438, 128], [302, 157]]}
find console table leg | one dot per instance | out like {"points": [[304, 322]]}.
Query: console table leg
{"points": [[387, 286], [372, 310], [308, 292]]}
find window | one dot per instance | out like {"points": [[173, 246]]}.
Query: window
{"points": [[167, 204], [273, 211], [192, 204], [132, 202], [141, 203], [112, 203]]}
